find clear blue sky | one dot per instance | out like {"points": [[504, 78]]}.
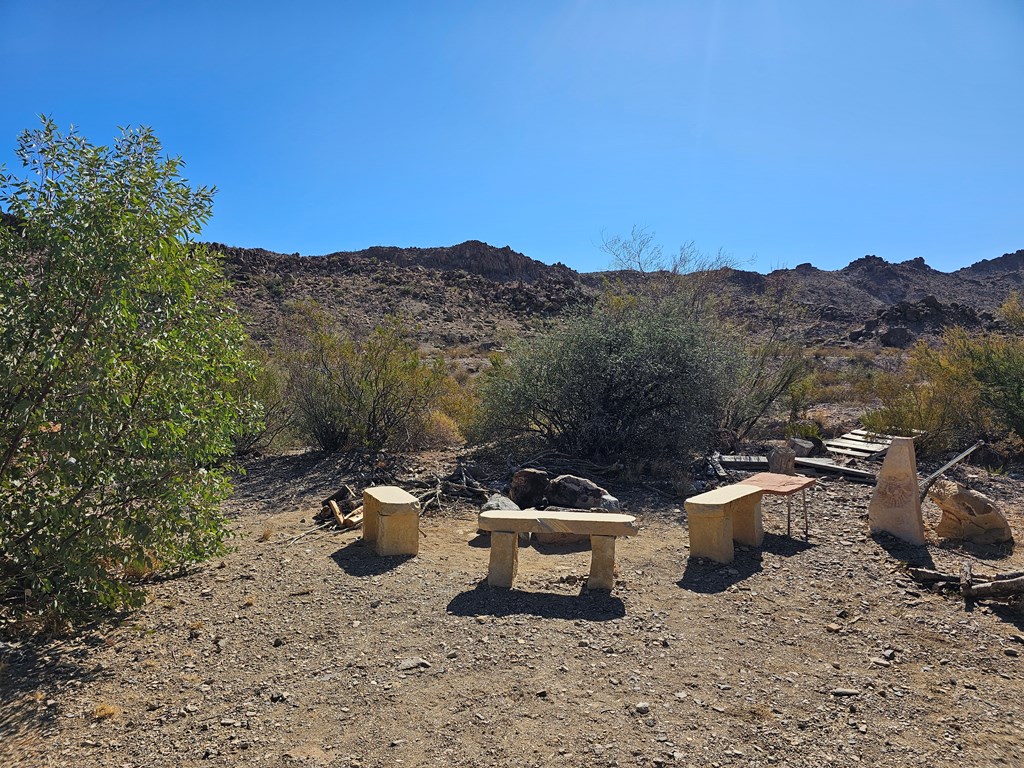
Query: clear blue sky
{"points": [[781, 131]]}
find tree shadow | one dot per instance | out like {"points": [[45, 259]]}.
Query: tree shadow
{"points": [[485, 600], [980, 551], [1011, 614], [915, 555], [357, 558], [28, 668]]}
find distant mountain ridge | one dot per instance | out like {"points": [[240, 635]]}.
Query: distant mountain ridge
{"points": [[471, 292]]}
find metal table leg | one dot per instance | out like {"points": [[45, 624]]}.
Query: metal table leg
{"points": [[803, 492]]}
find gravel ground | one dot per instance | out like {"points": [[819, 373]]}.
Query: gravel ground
{"points": [[315, 652]]}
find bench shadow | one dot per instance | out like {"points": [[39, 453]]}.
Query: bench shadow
{"points": [[709, 577], [483, 541], [561, 548], [485, 600], [785, 546], [915, 555], [359, 559]]}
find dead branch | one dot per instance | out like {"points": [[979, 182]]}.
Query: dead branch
{"points": [[1001, 588], [311, 530]]}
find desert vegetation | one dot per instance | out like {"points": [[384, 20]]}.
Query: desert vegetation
{"points": [[967, 386], [119, 358]]}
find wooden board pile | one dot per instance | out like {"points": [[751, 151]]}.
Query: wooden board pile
{"points": [[860, 444]]}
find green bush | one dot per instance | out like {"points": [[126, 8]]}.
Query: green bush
{"points": [[375, 393], [635, 379], [937, 396], [118, 356], [271, 419]]}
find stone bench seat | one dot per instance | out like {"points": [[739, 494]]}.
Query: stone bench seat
{"points": [[602, 527], [716, 518]]}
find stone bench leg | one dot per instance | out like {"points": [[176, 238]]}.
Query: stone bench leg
{"points": [[746, 524], [710, 533], [504, 559], [371, 509], [398, 533], [602, 563]]}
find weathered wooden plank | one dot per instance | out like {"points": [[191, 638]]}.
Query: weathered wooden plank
{"points": [[860, 445], [743, 461], [558, 521], [825, 465], [821, 465], [852, 452]]}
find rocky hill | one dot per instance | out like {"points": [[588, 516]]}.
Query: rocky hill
{"points": [[470, 298]]}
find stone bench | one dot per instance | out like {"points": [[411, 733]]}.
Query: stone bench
{"points": [[391, 520], [719, 517], [602, 527]]}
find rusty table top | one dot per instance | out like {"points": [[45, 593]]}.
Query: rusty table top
{"points": [[780, 485]]}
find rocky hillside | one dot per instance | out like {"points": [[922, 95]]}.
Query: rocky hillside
{"points": [[470, 298]]}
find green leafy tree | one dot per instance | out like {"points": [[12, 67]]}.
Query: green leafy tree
{"points": [[119, 352]]}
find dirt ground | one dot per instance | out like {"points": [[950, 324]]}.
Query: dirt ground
{"points": [[311, 651]]}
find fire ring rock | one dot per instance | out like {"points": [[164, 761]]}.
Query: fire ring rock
{"points": [[528, 486]]}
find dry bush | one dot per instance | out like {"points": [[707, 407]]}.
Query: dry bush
{"points": [[267, 531], [347, 393], [105, 711]]}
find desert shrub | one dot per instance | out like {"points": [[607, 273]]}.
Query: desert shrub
{"points": [[762, 358], [118, 356], [937, 394], [635, 379], [997, 363], [805, 429], [374, 393], [764, 372], [271, 417]]}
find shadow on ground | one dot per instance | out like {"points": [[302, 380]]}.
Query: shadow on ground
{"points": [[26, 668], [485, 600], [708, 577], [915, 555], [358, 559], [483, 541], [979, 551]]}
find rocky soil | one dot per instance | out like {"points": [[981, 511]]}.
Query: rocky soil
{"points": [[308, 650]]}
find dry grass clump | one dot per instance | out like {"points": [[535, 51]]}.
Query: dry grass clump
{"points": [[105, 711]]}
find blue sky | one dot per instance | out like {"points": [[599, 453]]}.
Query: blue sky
{"points": [[781, 131]]}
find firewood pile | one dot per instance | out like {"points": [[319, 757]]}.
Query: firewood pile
{"points": [[345, 507]]}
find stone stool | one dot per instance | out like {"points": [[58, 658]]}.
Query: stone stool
{"points": [[391, 520], [718, 517]]}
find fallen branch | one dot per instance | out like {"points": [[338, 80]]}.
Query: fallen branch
{"points": [[1001, 588], [311, 530], [972, 586], [929, 576]]}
